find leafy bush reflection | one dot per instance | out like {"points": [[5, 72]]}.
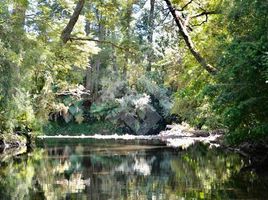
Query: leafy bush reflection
{"points": [[125, 172]]}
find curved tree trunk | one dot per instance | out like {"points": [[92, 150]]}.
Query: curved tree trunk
{"points": [[65, 35], [184, 33]]}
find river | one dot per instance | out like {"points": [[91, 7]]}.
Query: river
{"points": [[122, 169]]}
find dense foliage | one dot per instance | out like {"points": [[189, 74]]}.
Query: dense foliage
{"points": [[241, 92], [123, 52]]}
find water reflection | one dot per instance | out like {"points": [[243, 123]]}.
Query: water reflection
{"points": [[109, 170]]}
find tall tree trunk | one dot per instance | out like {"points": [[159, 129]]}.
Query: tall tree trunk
{"points": [[115, 66], [88, 78], [19, 15], [124, 72], [127, 18], [184, 33], [96, 60], [96, 78], [150, 35], [88, 83], [114, 57]]}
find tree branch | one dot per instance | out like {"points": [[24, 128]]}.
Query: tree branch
{"points": [[204, 13], [65, 35], [214, 12], [185, 6], [162, 21], [100, 41], [204, 21], [184, 33]]}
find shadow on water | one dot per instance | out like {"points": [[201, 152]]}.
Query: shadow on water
{"points": [[110, 169]]}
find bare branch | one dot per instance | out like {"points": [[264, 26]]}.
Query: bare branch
{"points": [[204, 21], [206, 13], [162, 21], [185, 6]]}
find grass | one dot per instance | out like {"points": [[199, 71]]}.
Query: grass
{"points": [[98, 127]]}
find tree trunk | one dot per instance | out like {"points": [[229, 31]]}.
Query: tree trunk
{"points": [[97, 76], [96, 60], [124, 72], [66, 33], [19, 15], [150, 35], [184, 33], [88, 83], [115, 67], [126, 33]]}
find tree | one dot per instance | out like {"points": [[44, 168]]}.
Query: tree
{"points": [[183, 25], [241, 89], [150, 33], [66, 33], [33, 62]]}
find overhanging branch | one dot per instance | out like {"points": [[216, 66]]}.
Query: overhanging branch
{"points": [[187, 4], [214, 12], [185, 35], [65, 35], [100, 41]]}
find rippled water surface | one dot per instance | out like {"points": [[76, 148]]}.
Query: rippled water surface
{"points": [[115, 169]]}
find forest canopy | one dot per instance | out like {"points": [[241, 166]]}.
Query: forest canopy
{"points": [[204, 62]]}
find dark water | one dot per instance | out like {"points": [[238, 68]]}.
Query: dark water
{"points": [[137, 170]]}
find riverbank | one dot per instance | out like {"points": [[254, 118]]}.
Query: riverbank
{"points": [[12, 141], [183, 136], [256, 152], [177, 136], [180, 136]]}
